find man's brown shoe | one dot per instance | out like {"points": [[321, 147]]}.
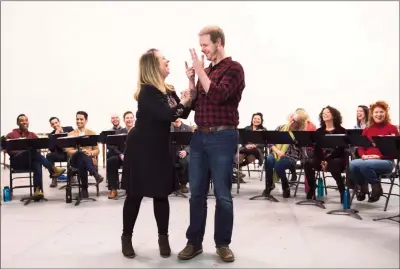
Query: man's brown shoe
{"points": [[112, 194], [57, 171], [184, 189], [189, 252], [226, 254]]}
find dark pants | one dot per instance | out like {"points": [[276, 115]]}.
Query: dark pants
{"points": [[113, 164], [280, 169], [212, 151], [310, 154], [182, 170], [335, 167], [56, 156], [131, 211], [20, 161], [84, 164]]}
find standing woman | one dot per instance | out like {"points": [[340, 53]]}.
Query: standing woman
{"points": [[148, 169]]}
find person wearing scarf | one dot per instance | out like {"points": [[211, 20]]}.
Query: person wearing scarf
{"points": [[284, 157]]}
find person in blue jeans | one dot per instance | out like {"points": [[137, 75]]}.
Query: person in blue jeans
{"points": [[372, 162], [284, 157], [215, 100], [25, 159]]}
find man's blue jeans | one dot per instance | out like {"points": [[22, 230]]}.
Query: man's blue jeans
{"points": [[84, 164], [20, 161], [368, 171], [212, 151]]}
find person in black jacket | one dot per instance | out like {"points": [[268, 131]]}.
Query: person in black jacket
{"points": [[148, 168], [57, 154], [115, 157], [333, 160]]}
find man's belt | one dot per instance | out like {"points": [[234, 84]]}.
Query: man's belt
{"points": [[215, 128]]}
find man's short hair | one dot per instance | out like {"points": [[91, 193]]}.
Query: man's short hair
{"points": [[19, 116], [126, 113], [53, 118], [83, 113], [215, 32]]}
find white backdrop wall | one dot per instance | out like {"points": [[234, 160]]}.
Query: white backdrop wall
{"points": [[61, 57]]}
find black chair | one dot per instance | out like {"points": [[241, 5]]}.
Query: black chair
{"points": [[73, 173], [20, 171], [390, 179]]}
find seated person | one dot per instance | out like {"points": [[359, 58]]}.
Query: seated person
{"points": [[250, 152], [84, 159], [115, 157], [373, 163], [57, 154], [284, 157], [362, 117], [333, 160], [309, 127], [361, 123], [181, 155], [115, 121], [19, 159]]}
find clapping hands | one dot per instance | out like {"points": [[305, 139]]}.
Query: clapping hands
{"points": [[186, 97]]}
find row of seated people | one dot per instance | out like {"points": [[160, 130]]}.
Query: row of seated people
{"points": [[282, 157], [365, 169], [84, 159], [249, 153]]}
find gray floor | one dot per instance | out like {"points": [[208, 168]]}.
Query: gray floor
{"points": [[56, 234]]}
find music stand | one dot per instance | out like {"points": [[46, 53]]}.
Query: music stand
{"points": [[354, 132], [118, 140], [388, 146], [178, 139], [304, 138], [272, 137], [76, 142], [248, 137], [360, 141], [326, 141], [103, 136], [29, 145], [354, 139]]}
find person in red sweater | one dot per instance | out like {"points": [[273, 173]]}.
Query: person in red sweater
{"points": [[372, 163], [19, 159]]}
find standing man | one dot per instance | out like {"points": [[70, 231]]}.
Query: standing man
{"points": [[216, 99]]}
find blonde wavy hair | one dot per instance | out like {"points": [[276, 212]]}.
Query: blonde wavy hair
{"points": [[150, 73], [384, 106], [303, 113]]}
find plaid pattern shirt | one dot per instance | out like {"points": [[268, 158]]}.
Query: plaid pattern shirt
{"points": [[220, 105]]}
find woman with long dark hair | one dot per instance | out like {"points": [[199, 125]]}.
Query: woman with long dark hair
{"points": [[250, 152], [332, 160], [362, 117]]}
